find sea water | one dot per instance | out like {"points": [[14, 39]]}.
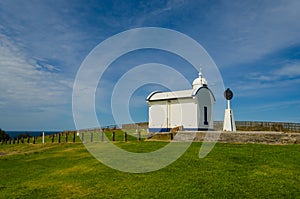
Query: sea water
{"points": [[14, 134]]}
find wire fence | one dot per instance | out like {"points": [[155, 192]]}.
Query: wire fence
{"points": [[262, 126], [240, 126], [85, 135]]}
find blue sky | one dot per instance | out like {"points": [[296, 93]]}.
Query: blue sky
{"points": [[255, 44]]}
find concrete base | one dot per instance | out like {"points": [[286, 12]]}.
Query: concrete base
{"points": [[257, 137]]}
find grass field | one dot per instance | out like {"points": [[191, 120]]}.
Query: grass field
{"points": [[67, 170]]}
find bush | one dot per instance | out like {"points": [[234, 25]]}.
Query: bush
{"points": [[4, 135]]}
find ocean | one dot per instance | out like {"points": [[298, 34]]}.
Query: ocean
{"points": [[14, 134]]}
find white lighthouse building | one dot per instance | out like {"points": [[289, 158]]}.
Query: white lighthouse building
{"points": [[191, 109]]}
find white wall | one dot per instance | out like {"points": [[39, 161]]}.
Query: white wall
{"points": [[189, 113], [158, 114], [183, 113], [164, 114]]}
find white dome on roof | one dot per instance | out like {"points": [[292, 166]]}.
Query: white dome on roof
{"points": [[199, 81]]}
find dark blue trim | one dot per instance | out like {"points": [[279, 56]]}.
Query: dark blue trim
{"points": [[151, 94], [168, 99], [160, 130], [157, 130], [198, 129]]}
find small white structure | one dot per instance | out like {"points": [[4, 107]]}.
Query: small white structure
{"points": [[229, 123], [191, 109]]}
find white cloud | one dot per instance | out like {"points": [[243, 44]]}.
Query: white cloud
{"points": [[289, 70], [261, 77], [277, 105], [45, 30], [23, 85]]}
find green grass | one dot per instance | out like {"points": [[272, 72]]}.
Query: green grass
{"points": [[67, 170]]}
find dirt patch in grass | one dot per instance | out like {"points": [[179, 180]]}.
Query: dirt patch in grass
{"points": [[2, 153]]}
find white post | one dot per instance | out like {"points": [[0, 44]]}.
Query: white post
{"points": [[228, 104], [229, 123], [43, 138]]}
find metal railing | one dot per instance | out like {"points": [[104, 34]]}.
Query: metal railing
{"points": [[240, 126]]}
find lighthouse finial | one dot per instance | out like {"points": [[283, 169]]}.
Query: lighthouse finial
{"points": [[200, 74]]}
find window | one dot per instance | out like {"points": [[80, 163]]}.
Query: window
{"points": [[205, 116]]}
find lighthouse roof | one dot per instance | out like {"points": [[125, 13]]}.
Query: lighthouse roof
{"points": [[160, 96]]}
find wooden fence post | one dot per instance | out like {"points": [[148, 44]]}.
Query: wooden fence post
{"points": [[28, 139], [125, 136], [91, 137], [52, 139], [66, 137], [82, 137], [138, 135], [34, 140], [74, 134], [102, 135], [113, 136], [59, 138]]}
